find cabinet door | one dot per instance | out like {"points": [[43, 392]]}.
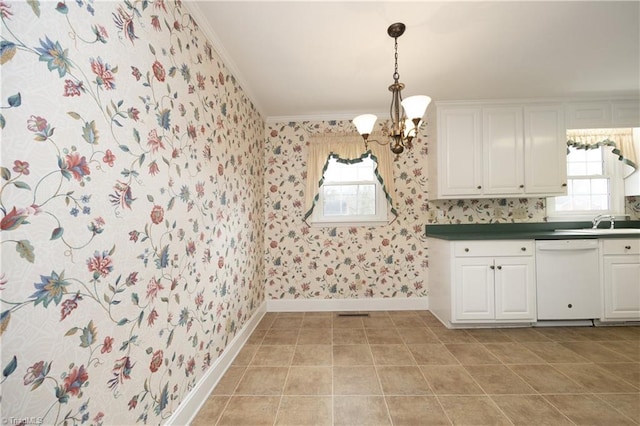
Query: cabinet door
{"points": [[459, 152], [545, 150], [622, 287], [473, 289], [503, 150], [515, 288]]}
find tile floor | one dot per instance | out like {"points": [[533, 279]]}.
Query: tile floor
{"points": [[406, 368]]}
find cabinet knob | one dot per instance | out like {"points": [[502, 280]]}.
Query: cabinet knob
{"points": [[523, 248], [564, 185], [492, 267], [479, 187], [627, 247], [521, 186], [466, 250], [499, 267]]}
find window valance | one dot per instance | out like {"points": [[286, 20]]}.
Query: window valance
{"points": [[347, 149], [621, 140]]}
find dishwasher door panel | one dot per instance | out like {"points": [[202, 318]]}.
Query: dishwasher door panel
{"points": [[568, 279]]}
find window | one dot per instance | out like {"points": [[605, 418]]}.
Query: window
{"points": [[594, 185], [350, 195]]}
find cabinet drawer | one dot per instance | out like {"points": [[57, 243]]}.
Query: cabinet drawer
{"points": [[620, 246], [494, 248]]}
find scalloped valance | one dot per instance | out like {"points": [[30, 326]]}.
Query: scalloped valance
{"points": [[346, 149], [621, 140]]}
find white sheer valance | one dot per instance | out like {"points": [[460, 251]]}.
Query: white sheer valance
{"points": [[621, 140], [347, 148]]}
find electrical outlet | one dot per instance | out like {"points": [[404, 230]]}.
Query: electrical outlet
{"points": [[498, 213]]}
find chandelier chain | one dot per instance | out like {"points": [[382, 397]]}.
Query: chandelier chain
{"points": [[396, 76]]}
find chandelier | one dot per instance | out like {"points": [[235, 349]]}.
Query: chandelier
{"points": [[406, 114]]}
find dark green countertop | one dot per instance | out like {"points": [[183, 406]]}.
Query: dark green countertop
{"points": [[527, 231]]}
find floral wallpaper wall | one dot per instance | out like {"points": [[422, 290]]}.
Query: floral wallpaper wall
{"points": [[376, 262], [131, 205]]}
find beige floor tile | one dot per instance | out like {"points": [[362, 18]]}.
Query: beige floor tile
{"points": [[401, 380], [210, 411], [273, 355], [588, 410], [378, 322], [450, 380], [630, 349], [628, 371], [361, 411], [408, 321], [416, 411], [383, 336], [315, 336], [352, 355], [530, 410], [513, 353], [489, 335], [349, 336], [313, 355], [356, 381], [266, 321], [348, 322], [280, 336], [627, 404], [472, 410], [309, 381], [228, 383], [256, 337], [629, 333], [287, 322], [420, 335], [546, 379], [391, 355], [317, 322], [432, 354], [600, 333], [453, 336], [595, 379], [262, 381], [250, 410], [525, 335], [305, 411], [553, 352], [245, 355], [561, 334], [595, 352], [498, 379], [471, 353]]}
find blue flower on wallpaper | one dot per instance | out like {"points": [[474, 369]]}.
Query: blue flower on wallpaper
{"points": [[50, 288], [55, 57]]}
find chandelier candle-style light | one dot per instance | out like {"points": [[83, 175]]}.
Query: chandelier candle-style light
{"points": [[406, 115]]}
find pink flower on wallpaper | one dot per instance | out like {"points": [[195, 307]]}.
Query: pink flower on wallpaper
{"points": [[100, 264], [75, 379], [155, 22], [136, 73], [21, 167], [153, 288], [153, 316], [158, 71], [77, 165], [157, 214], [72, 88], [154, 141], [36, 123], [156, 361], [109, 158], [107, 345], [103, 72], [153, 168]]}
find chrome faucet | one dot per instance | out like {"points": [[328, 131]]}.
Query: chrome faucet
{"points": [[596, 220]]}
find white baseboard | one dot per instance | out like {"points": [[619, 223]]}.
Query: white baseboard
{"points": [[195, 399], [323, 305]]}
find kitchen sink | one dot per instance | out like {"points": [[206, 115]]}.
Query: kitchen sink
{"points": [[600, 231]]}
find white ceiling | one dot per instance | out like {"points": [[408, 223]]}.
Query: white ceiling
{"points": [[334, 58]]}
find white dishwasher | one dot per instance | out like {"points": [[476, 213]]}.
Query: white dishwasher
{"points": [[568, 279]]}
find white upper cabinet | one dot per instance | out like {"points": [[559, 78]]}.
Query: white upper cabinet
{"points": [[603, 114], [491, 151]]}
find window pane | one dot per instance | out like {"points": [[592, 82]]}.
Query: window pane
{"points": [[600, 202], [349, 200], [600, 186], [576, 169], [581, 186], [575, 154], [593, 155], [344, 172]]}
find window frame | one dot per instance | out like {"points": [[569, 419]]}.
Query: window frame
{"points": [[319, 219], [612, 170]]}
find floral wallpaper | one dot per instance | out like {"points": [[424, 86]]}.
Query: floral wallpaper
{"points": [[131, 205]]}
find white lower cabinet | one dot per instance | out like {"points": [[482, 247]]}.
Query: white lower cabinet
{"points": [[621, 279], [475, 282]]}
